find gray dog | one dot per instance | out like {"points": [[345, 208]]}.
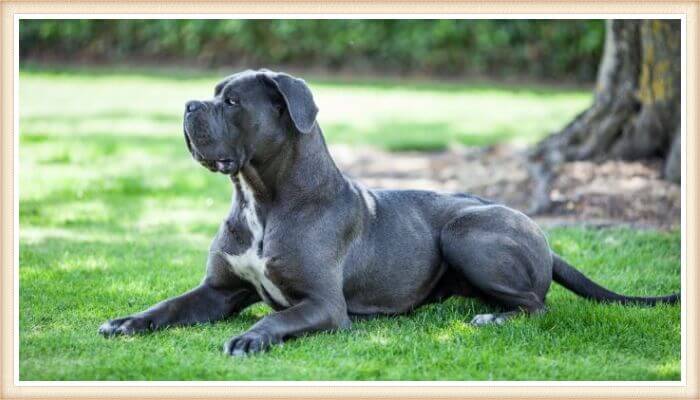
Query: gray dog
{"points": [[319, 247]]}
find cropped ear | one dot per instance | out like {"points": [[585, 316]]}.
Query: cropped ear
{"points": [[297, 97]]}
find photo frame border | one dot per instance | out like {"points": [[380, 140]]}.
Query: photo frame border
{"points": [[11, 387]]}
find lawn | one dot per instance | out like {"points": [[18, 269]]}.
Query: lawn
{"points": [[115, 216]]}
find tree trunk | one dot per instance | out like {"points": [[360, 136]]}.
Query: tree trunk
{"points": [[636, 109]]}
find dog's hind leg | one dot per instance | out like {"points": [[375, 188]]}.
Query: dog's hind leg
{"points": [[516, 302], [503, 255]]}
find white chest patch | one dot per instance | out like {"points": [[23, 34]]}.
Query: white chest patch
{"points": [[248, 265]]}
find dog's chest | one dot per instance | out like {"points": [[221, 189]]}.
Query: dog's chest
{"points": [[249, 263]]}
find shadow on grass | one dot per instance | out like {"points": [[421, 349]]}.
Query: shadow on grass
{"points": [[413, 136], [98, 147], [111, 115], [390, 135]]}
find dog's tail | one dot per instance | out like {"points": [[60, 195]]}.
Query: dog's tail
{"points": [[569, 277]]}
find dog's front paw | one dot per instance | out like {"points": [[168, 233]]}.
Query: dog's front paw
{"points": [[249, 343], [126, 326]]}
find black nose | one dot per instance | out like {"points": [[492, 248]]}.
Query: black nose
{"points": [[193, 105]]}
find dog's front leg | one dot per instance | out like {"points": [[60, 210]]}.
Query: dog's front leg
{"points": [[220, 295], [310, 315], [204, 303]]}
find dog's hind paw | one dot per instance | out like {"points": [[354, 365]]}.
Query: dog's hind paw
{"points": [[488, 319]]}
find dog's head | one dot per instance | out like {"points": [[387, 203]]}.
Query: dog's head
{"points": [[251, 116]]}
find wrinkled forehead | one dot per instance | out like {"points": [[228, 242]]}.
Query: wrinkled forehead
{"points": [[245, 80]]}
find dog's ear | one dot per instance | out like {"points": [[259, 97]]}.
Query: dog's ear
{"points": [[297, 98]]}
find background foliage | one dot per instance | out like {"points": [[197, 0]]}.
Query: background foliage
{"points": [[541, 49]]}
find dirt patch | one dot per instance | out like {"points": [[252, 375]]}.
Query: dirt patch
{"points": [[583, 193]]}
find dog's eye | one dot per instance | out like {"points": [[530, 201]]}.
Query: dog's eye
{"points": [[230, 102]]}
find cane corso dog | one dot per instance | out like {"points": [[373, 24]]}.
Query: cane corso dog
{"points": [[320, 248]]}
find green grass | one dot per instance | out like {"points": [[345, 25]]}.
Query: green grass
{"points": [[115, 216], [391, 114]]}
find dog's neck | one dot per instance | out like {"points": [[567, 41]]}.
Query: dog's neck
{"points": [[302, 170]]}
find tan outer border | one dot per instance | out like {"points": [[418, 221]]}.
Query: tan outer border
{"points": [[690, 8]]}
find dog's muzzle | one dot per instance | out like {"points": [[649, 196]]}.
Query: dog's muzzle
{"points": [[225, 166], [194, 141]]}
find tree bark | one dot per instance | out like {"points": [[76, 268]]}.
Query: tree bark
{"points": [[636, 108]]}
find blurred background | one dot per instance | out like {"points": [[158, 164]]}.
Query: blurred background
{"points": [[551, 51], [575, 122]]}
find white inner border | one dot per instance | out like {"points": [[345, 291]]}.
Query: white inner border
{"points": [[681, 383]]}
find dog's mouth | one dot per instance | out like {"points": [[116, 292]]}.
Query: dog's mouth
{"points": [[226, 166]]}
